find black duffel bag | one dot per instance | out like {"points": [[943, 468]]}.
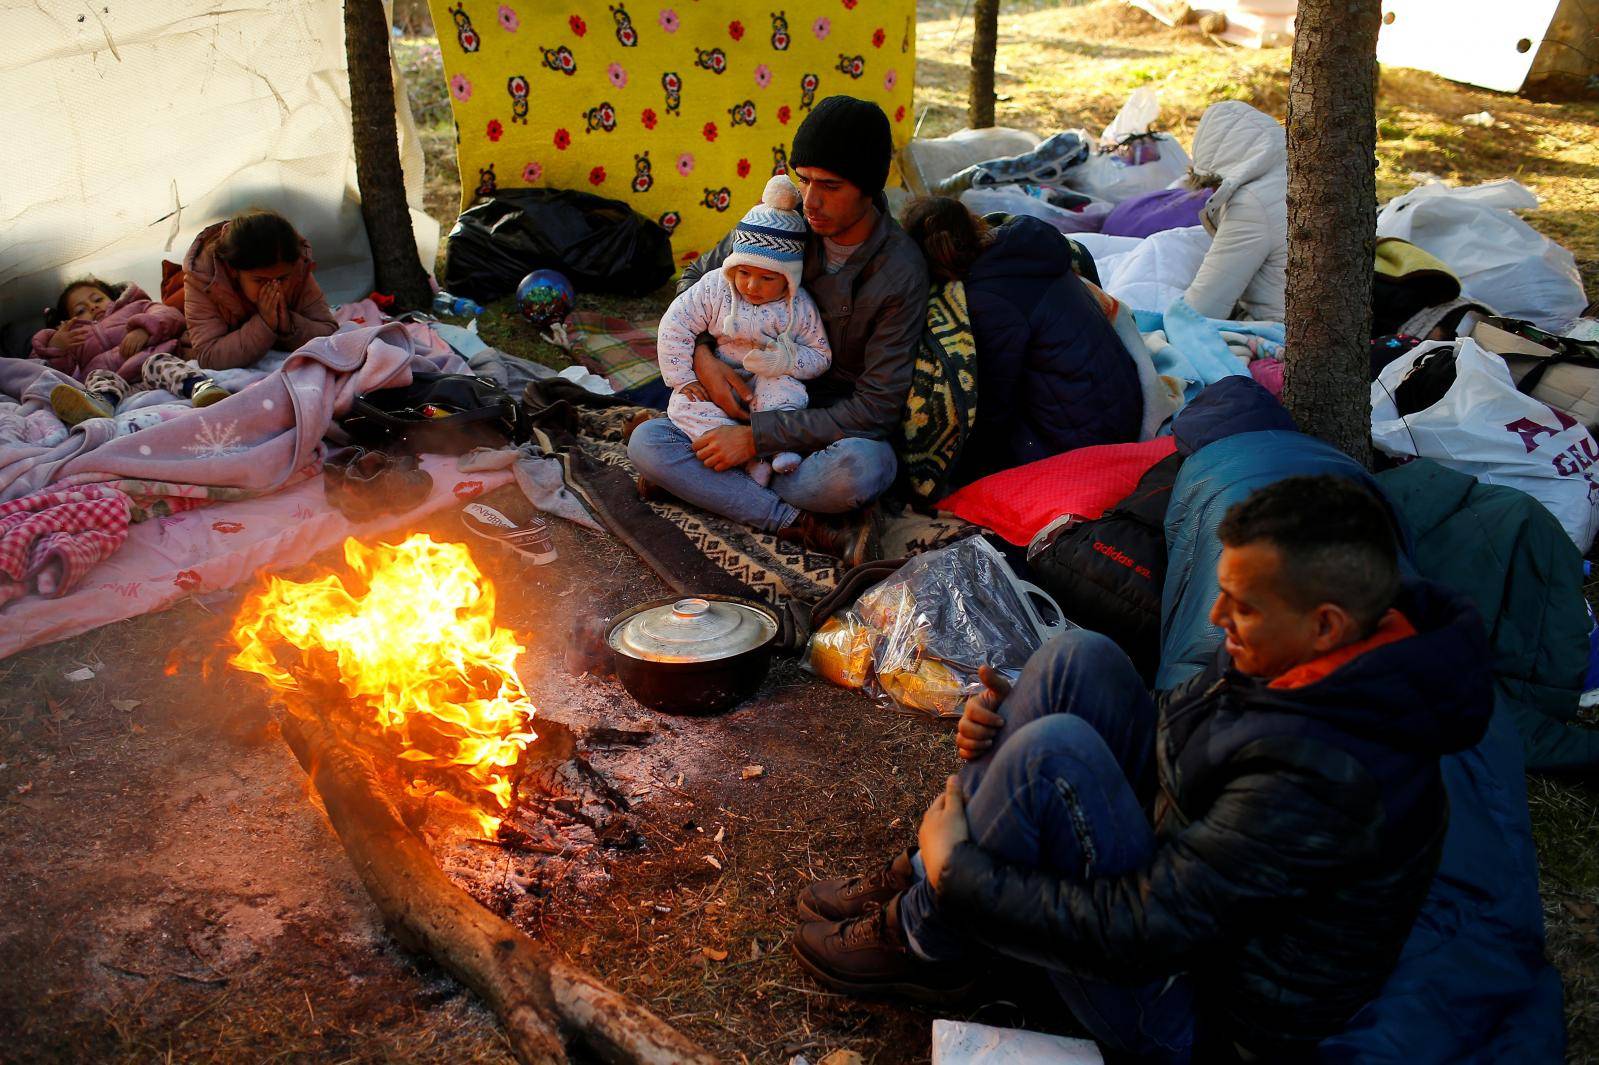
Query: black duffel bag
{"points": [[436, 414], [1107, 574], [600, 245]]}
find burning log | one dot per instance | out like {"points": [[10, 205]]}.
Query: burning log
{"points": [[538, 998]]}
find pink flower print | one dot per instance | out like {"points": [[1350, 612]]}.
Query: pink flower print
{"points": [[763, 75], [461, 88], [617, 75], [685, 164], [508, 20], [890, 80], [668, 20], [495, 129], [531, 173], [822, 27]]}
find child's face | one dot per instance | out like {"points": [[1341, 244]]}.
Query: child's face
{"points": [[757, 285], [251, 281], [86, 303]]}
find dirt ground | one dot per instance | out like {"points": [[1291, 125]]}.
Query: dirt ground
{"points": [[174, 894]]}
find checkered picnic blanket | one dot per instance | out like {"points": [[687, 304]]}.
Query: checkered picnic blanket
{"points": [[50, 539], [620, 351]]}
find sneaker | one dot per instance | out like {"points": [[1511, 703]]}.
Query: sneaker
{"points": [[208, 393], [868, 956], [74, 405], [529, 538], [847, 897]]}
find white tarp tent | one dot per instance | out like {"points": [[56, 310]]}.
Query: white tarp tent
{"points": [[133, 124], [1492, 43]]}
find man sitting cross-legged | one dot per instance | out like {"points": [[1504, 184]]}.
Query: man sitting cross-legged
{"points": [[1230, 870], [869, 281]]}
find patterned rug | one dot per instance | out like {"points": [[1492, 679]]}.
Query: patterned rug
{"points": [[762, 566]]}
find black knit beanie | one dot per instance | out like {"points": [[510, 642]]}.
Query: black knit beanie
{"points": [[850, 137]]}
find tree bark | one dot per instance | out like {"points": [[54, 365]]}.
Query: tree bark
{"points": [[1332, 220], [398, 269], [985, 42], [536, 996]]}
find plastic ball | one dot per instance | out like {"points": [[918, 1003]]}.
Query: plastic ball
{"points": [[545, 297]]}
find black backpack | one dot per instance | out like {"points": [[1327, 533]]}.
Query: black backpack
{"points": [[438, 414], [1107, 574]]}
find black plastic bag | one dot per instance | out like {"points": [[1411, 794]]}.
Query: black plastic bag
{"points": [[600, 245], [436, 414]]}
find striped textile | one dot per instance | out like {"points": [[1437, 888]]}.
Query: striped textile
{"points": [[618, 350], [942, 404]]}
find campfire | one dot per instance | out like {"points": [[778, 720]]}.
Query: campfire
{"points": [[403, 658]]}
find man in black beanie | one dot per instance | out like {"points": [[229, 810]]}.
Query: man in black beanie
{"points": [[870, 282]]}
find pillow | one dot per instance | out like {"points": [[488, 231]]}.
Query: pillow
{"points": [[1016, 503]]}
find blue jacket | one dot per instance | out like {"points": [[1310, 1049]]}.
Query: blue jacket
{"points": [[1051, 373]]}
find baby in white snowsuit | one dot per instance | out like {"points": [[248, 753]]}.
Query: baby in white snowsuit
{"points": [[764, 324]]}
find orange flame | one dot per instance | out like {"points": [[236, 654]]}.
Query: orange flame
{"points": [[418, 651]]}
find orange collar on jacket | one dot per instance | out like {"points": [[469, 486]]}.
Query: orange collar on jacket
{"points": [[1393, 627]]}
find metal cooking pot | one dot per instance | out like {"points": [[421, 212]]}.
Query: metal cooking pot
{"points": [[694, 655]]}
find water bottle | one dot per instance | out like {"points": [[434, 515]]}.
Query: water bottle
{"points": [[459, 306]]}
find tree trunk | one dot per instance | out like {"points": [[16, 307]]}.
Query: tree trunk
{"points": [[1332, 220], [985, 41], [398, 270]]}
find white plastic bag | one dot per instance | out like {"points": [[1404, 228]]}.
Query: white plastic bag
{"points": [[1501, 260], [1108, 176], [1012, 200], [1484, 427], [1135, 117]]}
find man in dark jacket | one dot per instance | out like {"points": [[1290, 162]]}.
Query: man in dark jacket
{"points": [[1230, 872], [870, 282]]}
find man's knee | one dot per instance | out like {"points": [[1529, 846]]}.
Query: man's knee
{"points": [[651, 442], [1057, 745], [1077, 649], [862, 470]]}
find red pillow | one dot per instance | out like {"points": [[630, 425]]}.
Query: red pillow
{"points": [[1016, 503]]}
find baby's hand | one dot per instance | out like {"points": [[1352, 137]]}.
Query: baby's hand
{"points": [[695, 391], [768, 362], [134, 342]]}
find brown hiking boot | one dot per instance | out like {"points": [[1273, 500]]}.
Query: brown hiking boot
{"points": [[851, 538], [846, 897], [869, 956], [651, 492]]}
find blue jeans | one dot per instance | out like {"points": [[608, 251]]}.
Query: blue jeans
{"points": [[843, 476], [1064, 789]]}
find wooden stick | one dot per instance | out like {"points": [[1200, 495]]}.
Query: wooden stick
{"points": [[537, 997]]}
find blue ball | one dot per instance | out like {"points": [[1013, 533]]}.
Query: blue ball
{"points": [[545, 297]]}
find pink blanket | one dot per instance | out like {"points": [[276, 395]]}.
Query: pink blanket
{"points": [[214, 547], [251, 443]]}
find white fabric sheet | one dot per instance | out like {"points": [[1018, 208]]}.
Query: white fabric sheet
{"points": [[131, 126]]}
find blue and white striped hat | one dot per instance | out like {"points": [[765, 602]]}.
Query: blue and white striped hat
{"points": [[772, 235]]}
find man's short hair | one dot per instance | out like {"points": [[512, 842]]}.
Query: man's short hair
{"points": [[1335, 540]]}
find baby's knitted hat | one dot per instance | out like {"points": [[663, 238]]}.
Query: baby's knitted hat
{"points": [[772, 235]]}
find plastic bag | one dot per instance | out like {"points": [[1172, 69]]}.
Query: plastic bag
{"points": [[1135, 117], [917, 639], [1501, 260], [600, 245], [1484, 427], [1121, 173], [1015, 201]]}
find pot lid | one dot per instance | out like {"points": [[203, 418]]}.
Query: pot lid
{"points": [[693, 630]]}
